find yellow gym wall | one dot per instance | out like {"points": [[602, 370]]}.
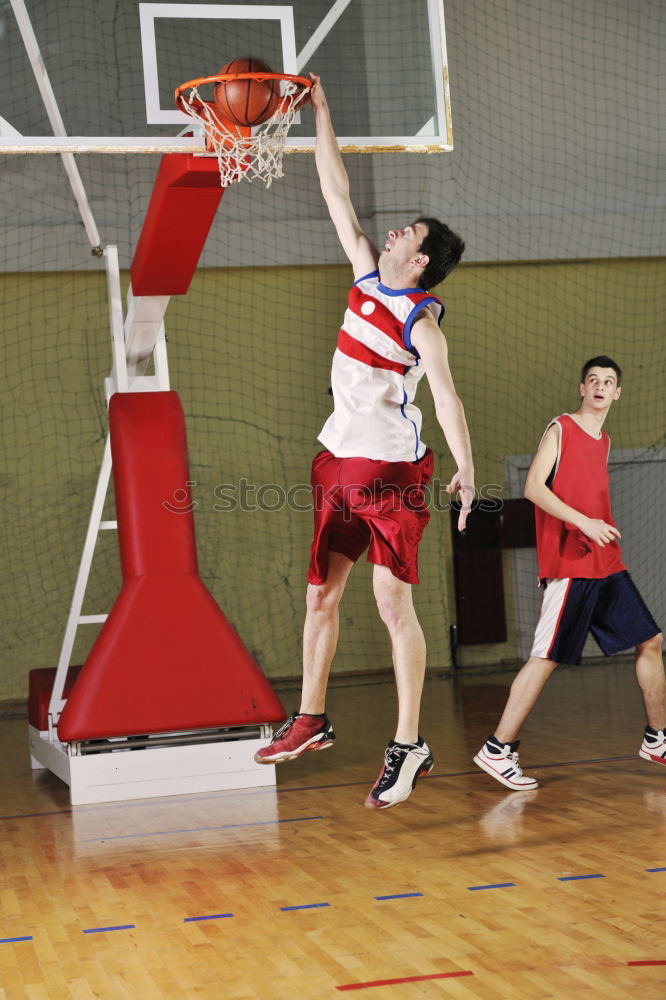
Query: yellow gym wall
{"points": [[249, 354]]}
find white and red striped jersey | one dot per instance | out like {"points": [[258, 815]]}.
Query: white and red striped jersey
{"points": [[375, 373]]}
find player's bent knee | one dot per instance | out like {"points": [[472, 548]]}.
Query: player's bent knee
{"points": [[323, 597], [394, 613], [652, 645], [542, 664]]}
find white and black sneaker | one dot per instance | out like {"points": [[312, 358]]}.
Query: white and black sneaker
{"points": [[404, 764], [653, 746], [500, 760]]}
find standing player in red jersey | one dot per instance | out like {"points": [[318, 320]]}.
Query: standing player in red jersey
{"points": [[586, 585], [369, 482]]}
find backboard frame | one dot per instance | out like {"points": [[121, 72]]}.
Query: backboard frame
{"points": [[440, 139]]}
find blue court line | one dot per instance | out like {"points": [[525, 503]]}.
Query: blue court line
{"points": [[102, 930], [199, 829], [305, 906], [577, 878], [400, 895], [314, 906], [498, 885]]}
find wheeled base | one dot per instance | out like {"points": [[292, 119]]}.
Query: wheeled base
{"points": [[138, 767]]}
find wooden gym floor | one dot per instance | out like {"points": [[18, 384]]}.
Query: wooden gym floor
{"points": [[466, 891]]}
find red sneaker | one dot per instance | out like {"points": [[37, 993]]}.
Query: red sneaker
{"points": [[298, 734]]}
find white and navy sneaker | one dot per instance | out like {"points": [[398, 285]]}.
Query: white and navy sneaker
{"points": [[404, 764], [653, 746], [500, 760]]}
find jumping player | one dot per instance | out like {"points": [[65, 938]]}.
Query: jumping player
{"points": [[368, 484], [586, 585]]}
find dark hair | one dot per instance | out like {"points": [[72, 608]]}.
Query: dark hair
{"points": [[444, 248], [602, 361]]}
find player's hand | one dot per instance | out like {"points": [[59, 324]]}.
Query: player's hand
{"points": [[465, 491], [317, 95], [600, 532]]}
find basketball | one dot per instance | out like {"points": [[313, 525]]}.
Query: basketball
{"points": [[247, 102]]}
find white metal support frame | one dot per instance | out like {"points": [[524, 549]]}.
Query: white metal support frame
{"points": [[154, 343], [75, 617], [119, 370], [166, 763], [57, 124], [162, 763]]}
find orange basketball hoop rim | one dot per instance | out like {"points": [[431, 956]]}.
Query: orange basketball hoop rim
{"points": [[297, 94], [302, 82], [245, 151]]}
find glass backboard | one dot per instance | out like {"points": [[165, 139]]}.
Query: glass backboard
{"points": [[112, 78]]}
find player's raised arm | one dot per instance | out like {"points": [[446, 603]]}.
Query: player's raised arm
{"points": [[543, 497], [335, 187], [431, 344]]}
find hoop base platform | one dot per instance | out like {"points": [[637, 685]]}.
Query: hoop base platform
{"points": [[113, 775]]}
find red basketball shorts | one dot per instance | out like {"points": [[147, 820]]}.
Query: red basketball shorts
{"points": [[362, 503]]}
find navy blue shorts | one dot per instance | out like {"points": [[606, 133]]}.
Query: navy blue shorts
{"points": [[611, 609]]}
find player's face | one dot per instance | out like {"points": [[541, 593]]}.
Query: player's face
{"points": [[600, 388], [403, 245]]}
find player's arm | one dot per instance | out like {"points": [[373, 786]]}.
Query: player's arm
{"points": [[335, 188], [431, 344], [542, 496]]}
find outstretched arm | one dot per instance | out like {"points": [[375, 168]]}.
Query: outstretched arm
{"points": [[335, 188], [542, 496], [430, 342]]}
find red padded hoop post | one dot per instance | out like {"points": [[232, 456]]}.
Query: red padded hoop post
{"points": [[166, 658]]}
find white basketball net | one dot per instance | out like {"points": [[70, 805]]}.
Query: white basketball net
{"points": [[242, 157]]}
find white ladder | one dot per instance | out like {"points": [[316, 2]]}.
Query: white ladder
{"points": [[135, 339]]}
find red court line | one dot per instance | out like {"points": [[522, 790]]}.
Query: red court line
{"points": [[660, 961], [404, 979]]}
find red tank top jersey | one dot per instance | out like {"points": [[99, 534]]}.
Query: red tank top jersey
{"points": [[580, 479], [375, 374]]}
